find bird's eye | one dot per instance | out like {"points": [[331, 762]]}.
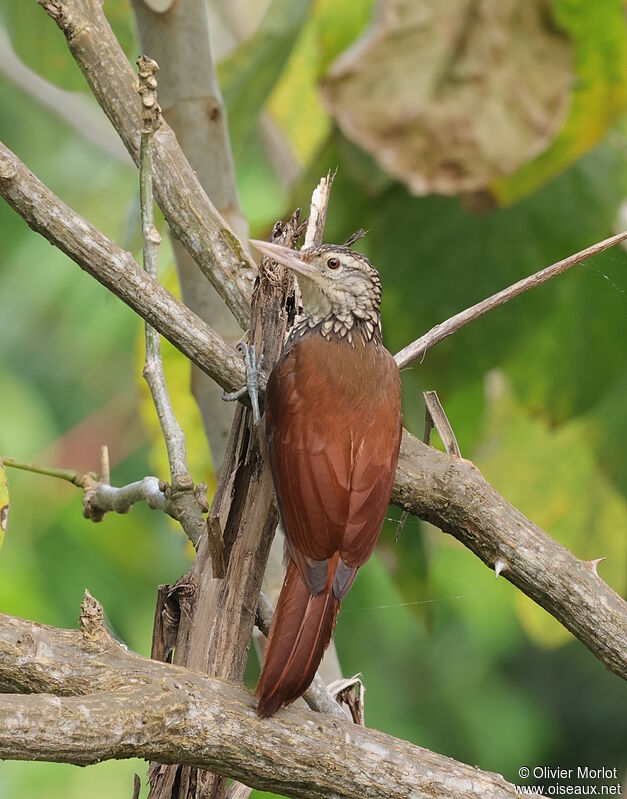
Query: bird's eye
{"points": [[333, 263]]}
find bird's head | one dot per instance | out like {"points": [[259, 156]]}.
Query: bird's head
{"points": [[336, 282]]}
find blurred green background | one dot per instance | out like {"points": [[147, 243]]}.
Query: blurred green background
{"points": [[536, 391]]}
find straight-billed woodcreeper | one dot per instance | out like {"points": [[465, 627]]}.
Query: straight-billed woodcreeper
{"points": [[333, 427]]}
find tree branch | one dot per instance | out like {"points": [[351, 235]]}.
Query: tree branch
{"points": [[109, 703], [191, 215], [455, 323], [182, 496]]}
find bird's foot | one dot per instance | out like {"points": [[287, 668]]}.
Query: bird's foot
{"points": [[253, 370]]}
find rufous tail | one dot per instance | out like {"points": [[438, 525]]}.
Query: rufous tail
{"points": [[301, 630]]}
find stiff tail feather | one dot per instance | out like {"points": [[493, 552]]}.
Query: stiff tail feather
{"points": [[301, 630]]}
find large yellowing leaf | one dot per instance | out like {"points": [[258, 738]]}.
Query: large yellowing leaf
{"points": [[4, 502], [447, 95], [599, 34]]}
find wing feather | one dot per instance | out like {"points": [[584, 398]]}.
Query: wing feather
{"points": [[333, 457]]}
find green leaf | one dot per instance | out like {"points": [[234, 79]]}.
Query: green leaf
{"points": [[4, 502], [599, 35], [295, 102], [249, 75], [429, 96], [42, 47]]}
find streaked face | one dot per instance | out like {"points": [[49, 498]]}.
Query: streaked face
{"points": [[333, 280]]}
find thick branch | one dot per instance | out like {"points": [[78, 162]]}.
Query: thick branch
{"points": [[455, 323], [116, 269], [451, 493], [191, 215], [110, 703]]}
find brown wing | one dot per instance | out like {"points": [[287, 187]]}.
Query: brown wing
{"points": [[310, 461], [333, 444], [372, 480]]}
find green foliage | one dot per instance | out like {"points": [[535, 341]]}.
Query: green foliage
{"points": [[42, 47], [249, 75]]}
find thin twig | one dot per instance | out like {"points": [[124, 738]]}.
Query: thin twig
{"points": [[455, 323], [105, 466], [184, 497], [153, 367], [71, 475], [435, 416], [100, 498]]}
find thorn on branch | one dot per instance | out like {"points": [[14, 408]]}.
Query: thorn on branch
{"points": [[500, 565], [105, 467], [593, 564]]}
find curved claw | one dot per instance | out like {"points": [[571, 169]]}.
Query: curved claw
{"points": [[253, 369]]}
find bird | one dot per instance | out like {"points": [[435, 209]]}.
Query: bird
{"points": [[333, 425]]}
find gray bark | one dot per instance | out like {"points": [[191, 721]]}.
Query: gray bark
{"points": [[92, 700]]}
